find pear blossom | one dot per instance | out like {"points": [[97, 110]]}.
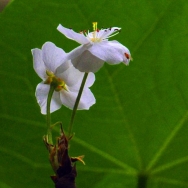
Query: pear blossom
{"points": [[99, 49], [53, 67]]}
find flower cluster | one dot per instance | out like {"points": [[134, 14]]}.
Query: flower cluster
{"points": [[65, 71], [66, 80]]}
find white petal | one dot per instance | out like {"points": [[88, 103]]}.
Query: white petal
{"points": [[63, 67], [105, 33], [53, 56], [70, 76], [78, 51], [86, 101], [89, 82], [111, 52], [127, 55], [69, 33], [38, 63], [42, 94], [87, 62]]}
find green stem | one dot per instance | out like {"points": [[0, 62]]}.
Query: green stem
{"points": [[48, 115], [142, 180], [76, 103]]}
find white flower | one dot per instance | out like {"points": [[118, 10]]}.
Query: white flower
{"points": [[100, 50], [52, 66]]}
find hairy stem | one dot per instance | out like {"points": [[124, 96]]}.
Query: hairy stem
{"points": [[76, 103], [48, 115]]}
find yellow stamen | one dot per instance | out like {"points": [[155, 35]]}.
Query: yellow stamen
{"points": [[94, 26], [94, 31], [57, 83], [62, 85], [49, 73]]}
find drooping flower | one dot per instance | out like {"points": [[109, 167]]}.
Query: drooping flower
{"points": [[53, 67], [100, 50]]}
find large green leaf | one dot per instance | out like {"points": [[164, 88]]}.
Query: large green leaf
{"points": [[138, 128]]}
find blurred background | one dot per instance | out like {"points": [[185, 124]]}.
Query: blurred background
{"points": [[3, 3], [137, 129]]}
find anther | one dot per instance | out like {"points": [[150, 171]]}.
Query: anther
{"points": [[127, 56], [94, 26]]}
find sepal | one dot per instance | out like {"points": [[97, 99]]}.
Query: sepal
{"points": [[63, 165]]}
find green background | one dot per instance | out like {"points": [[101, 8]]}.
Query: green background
{"points": [[138, 125]]}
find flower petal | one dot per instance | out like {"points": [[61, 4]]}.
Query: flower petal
{"points": [[38, 63], [63, 67], [78, 51], [111, 52], [87, 62], [42, 94], [53, 56], [86, 101], [89, 82], [105, 33], [69, 33], [70, 76]]}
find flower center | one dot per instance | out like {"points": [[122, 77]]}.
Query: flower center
{"points": [[100, 35], [94, 33], [56, 82]]}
